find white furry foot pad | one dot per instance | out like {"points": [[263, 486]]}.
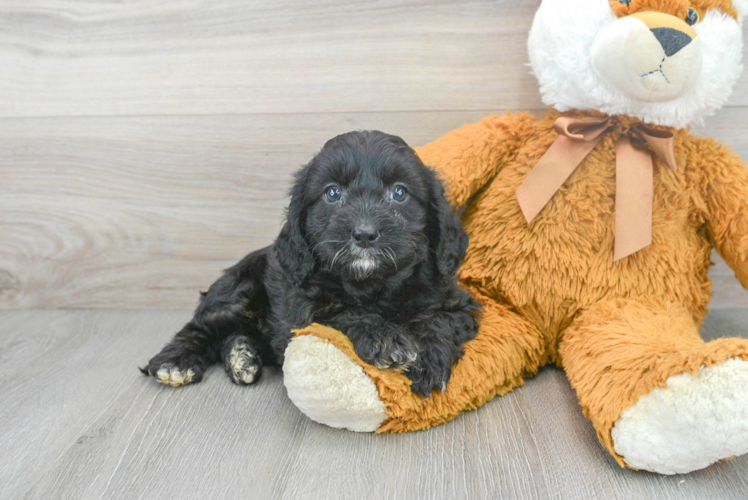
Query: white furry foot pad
{"points": [[242, 364], [694, 422], [172, 375], [328, 387]]}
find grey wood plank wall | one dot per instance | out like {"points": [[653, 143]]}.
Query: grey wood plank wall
{"points": [[144, 146]]}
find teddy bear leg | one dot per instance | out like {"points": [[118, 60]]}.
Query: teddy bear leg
{"points": [[330, 384], [660, 398]]}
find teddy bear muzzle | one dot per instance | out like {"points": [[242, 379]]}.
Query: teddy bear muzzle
{"points": [[649, 56]]}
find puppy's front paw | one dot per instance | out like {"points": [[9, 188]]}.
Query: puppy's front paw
{"points": [[388, 352], [175, 368], [242, 363], [427, 378], [172, 374]]}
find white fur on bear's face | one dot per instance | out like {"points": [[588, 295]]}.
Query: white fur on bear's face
{"points": [[561, 47], [628, 56], [742, 7]]}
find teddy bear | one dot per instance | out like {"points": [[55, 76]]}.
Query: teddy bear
{"points": [[591, 230]]}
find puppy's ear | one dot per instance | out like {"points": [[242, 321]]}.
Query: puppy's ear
{"points": [[447, 237], [291, 247]]}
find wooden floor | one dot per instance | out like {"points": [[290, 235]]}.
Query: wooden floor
{"points": [[79, 421]]}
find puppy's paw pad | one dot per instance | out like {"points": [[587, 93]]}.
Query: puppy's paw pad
{"points": [[172, 375], [242, 364]]}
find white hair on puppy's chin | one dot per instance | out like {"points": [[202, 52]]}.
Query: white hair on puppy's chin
{"points": [[365, 261], [560, 44]]}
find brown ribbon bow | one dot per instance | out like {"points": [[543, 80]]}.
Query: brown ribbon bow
{"points": [[577, 137]]}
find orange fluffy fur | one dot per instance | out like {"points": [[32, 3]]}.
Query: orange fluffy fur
{"points": [[551, 290], [676, 8]]}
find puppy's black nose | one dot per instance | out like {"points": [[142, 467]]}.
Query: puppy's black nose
{"points": [[365, 235]]}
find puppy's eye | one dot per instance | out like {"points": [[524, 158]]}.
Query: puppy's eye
{"points": [[692, 17], [399, 193], [332, 194]]}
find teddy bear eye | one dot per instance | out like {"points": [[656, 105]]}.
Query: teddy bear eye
{"points": [[692, 17]]}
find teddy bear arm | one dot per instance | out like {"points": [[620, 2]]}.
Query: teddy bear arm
{"points": [[726, 194], [467, 158]]}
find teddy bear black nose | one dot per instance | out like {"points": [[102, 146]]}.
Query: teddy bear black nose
{"points": [[671, 40]]}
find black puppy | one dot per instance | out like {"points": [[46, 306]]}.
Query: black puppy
{"points": [[370, 247]]}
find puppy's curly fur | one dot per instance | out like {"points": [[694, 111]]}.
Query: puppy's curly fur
{"points": [[370, 247]]}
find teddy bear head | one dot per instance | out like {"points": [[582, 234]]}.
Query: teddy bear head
{"points": [[665, 62]]}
